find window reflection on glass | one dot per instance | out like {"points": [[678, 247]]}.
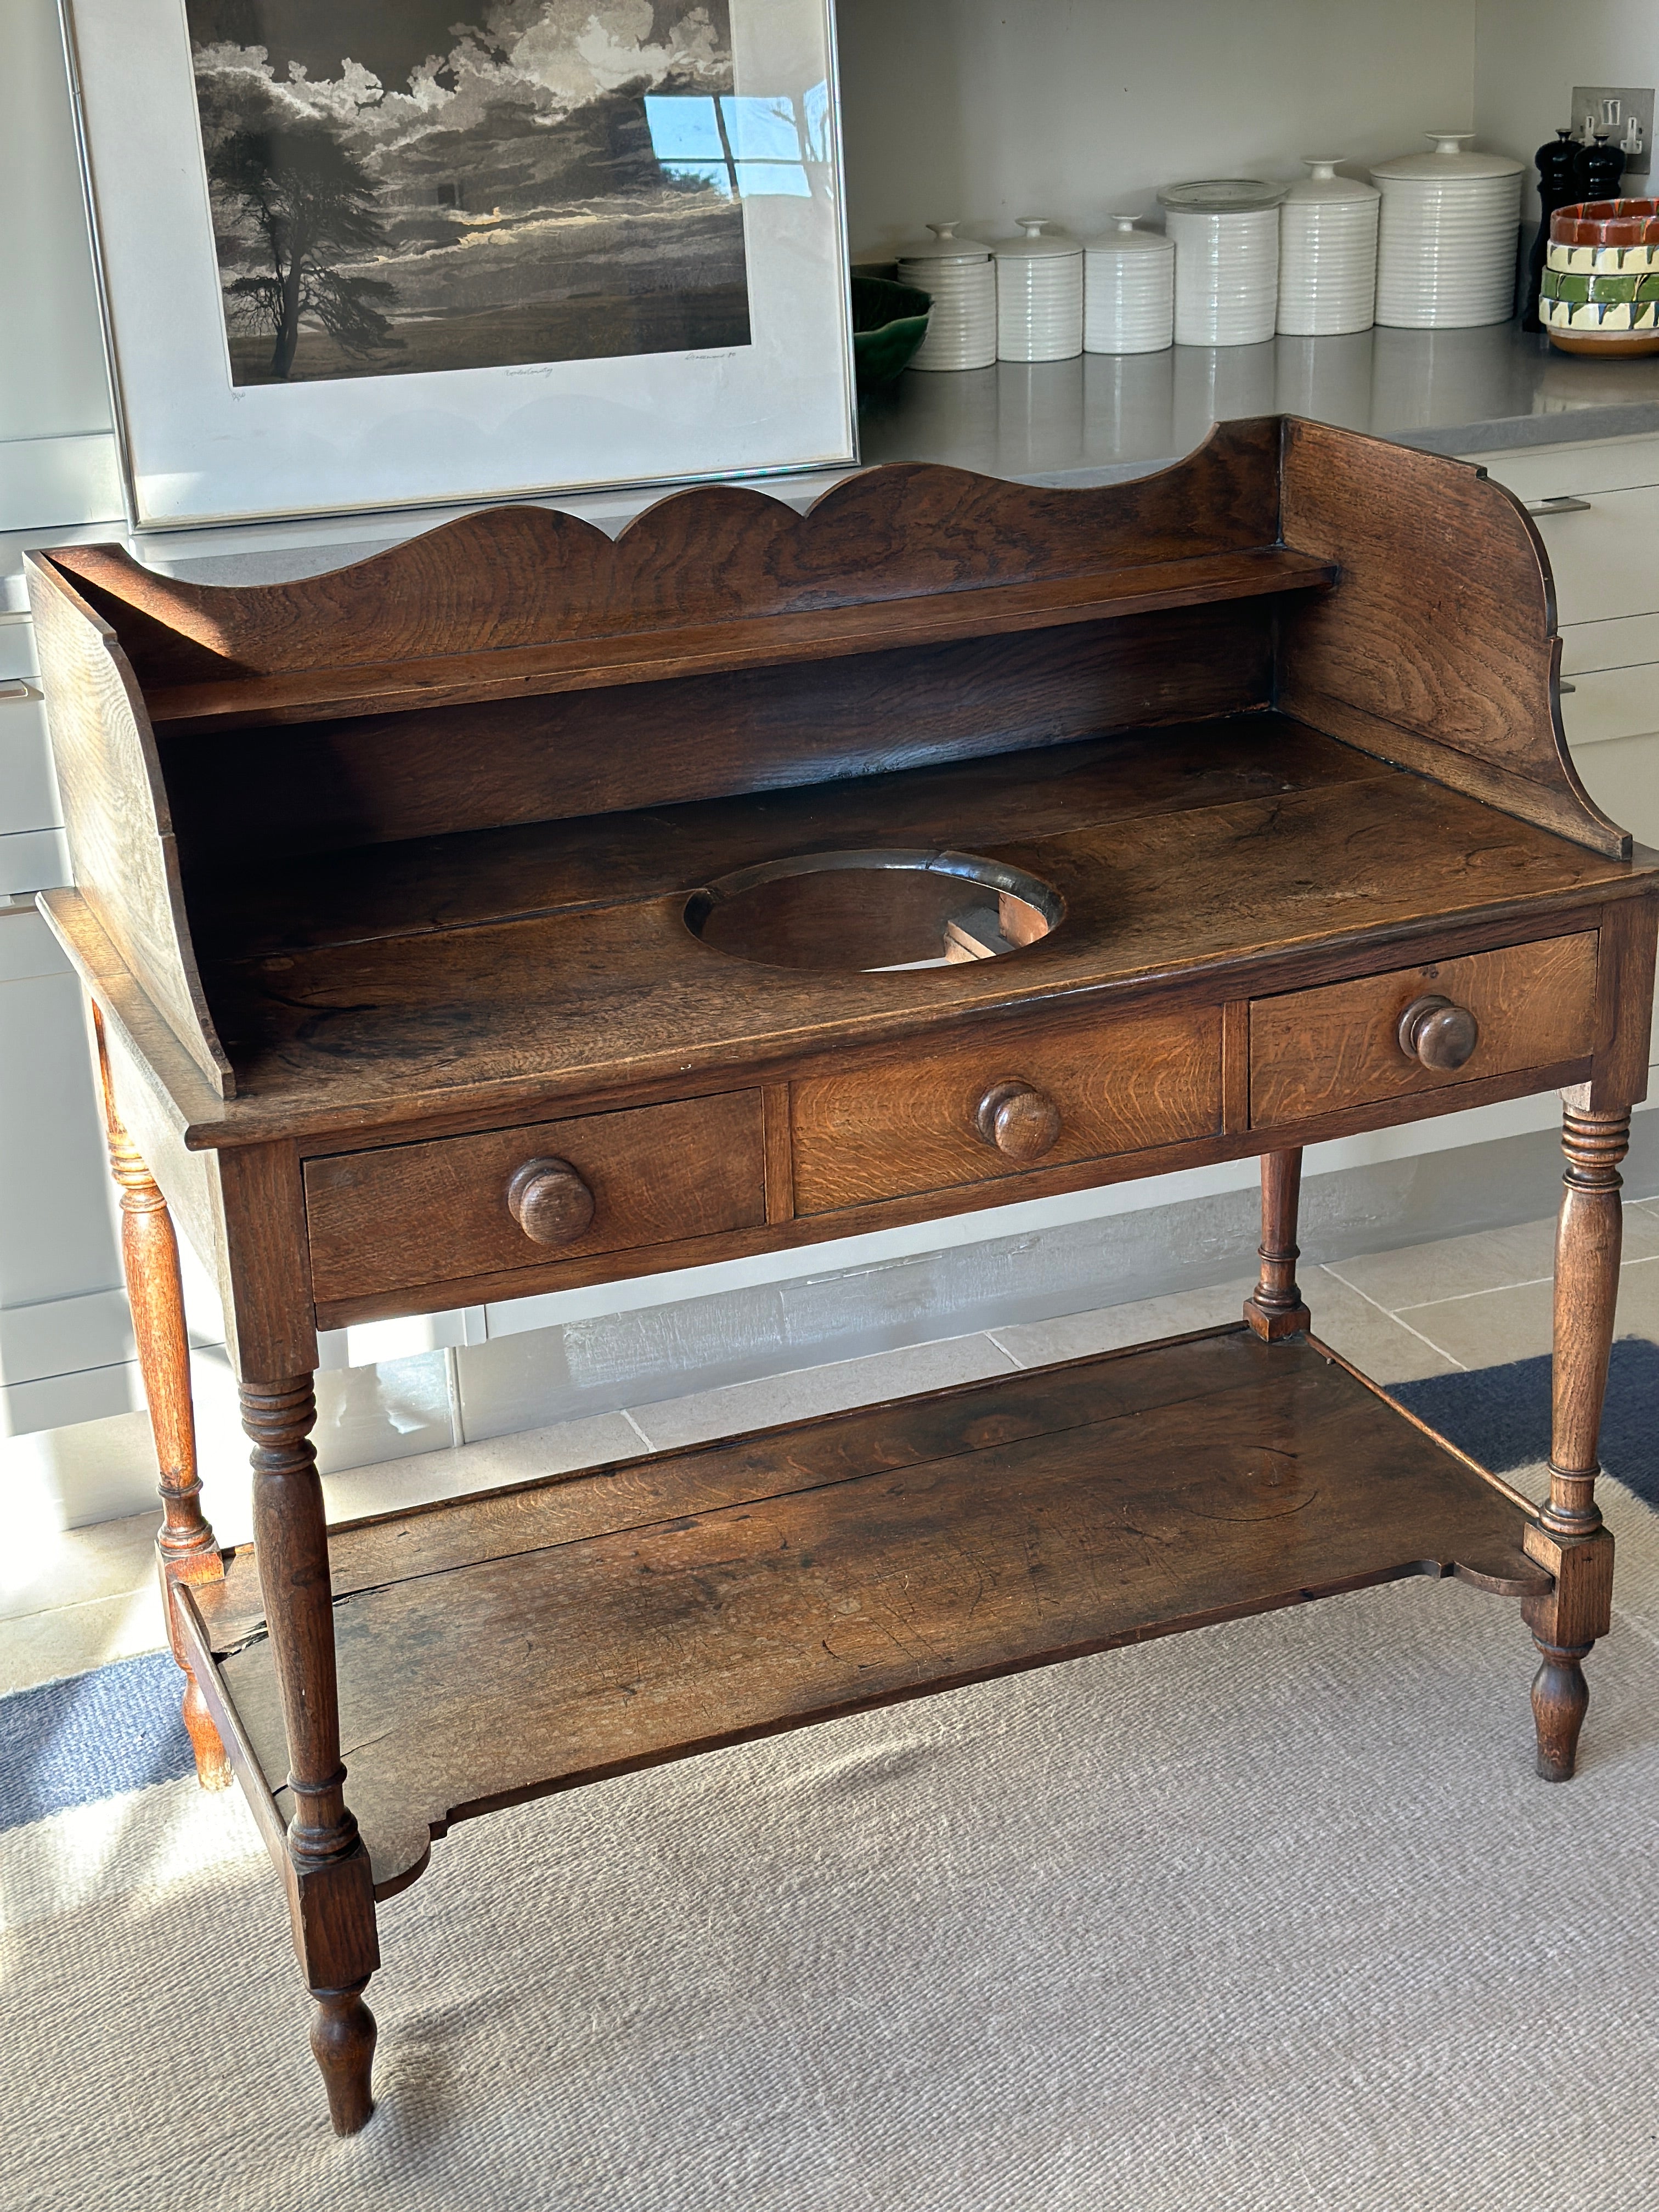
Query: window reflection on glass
{"points": [[688, 141], [817, 105], [766, 140], [744, 144]]}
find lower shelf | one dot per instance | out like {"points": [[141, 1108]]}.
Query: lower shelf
{"points": [[500, 1647]]}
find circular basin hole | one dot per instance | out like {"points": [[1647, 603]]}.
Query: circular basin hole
{"points": [[866, 911]]}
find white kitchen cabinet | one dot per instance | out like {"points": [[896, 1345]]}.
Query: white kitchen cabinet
{"points": [[1626, 641], [1609, 703], [1605, 555], [63, 1328], [1574, 471]]}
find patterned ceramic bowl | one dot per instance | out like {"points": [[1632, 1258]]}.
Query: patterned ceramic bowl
{"points": [[1608, 260], [1601, 287], [1606, 223]]}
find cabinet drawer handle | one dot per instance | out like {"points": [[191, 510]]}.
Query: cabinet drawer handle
{"points": [[1018, 1120], [1564, 503], [550, 1202], [1438, 1033]]}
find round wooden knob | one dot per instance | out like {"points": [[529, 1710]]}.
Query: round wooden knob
{"points": [[550, 1202], [1438, 1033], [1018, 1120]]}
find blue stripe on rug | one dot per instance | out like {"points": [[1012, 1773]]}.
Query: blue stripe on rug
{"points": [[118, 1728], [1501, 1415], [91, 1736]]}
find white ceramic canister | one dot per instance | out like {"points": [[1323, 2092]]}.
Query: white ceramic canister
{"points": [[1039, 294], [1226, 240], [1446, 245], [1128, 290], [1328, 253], [962, 329]]}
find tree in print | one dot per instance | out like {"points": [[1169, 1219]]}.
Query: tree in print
{"points": [[310, 202]]}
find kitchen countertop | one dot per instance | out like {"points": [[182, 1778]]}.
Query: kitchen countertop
{"points": [[1102, 416]]}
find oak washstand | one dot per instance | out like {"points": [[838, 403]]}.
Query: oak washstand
{"points": [[516, 909]]}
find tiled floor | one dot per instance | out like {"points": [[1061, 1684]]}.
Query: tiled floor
{"points": [[72, 1601]]}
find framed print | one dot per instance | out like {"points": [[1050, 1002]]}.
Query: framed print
{"points": [[367, 254]]}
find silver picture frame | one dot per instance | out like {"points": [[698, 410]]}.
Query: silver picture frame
{"points": [[209, 434]]}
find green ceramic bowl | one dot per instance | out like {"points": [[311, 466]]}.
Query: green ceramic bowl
{"points": [[890, 321]]}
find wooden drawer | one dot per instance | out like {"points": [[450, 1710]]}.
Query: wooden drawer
{"points": [[912, 1125], [437, 1212], [1317, 1052]]}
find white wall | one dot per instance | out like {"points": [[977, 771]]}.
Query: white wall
{"points": [[991, 109], [51, 366], [1530, 53]]}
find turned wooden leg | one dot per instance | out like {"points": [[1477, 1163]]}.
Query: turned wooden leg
{"points": [[1570, 1538], [333, 1895], [1274, 1307], [342, 2036], [186, 1551]]}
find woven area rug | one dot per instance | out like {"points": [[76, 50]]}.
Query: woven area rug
{"points": [[1274, 1915]]}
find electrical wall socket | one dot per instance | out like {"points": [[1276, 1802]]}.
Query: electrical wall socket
{"points": [[1624, 112]]}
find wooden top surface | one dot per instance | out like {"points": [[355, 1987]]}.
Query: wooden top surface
{"points": [[496, 1648], [553, 961]]}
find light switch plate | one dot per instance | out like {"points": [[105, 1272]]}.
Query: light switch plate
{"points": [[1615, 107]]}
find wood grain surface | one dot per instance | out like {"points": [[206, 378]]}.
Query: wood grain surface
{"points": [[508, 578], [1119, 1086], [377, 1220], [530, 1516], [765, 642], [1624, 962], [117, 814], [442, 771], [261, 903], [1315, 1051], [1443, 653], [1256, 1477], [566, 1004], [1038, 1181]]}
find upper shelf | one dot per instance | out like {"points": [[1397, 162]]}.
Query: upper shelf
{"points": [[766, 640], [511, 602]]}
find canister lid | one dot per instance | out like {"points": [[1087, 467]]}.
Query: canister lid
{"points": [[1034, 242], [1449, 159], [1124, 237], [1324, 186], [1222, 196], [943, 245]]}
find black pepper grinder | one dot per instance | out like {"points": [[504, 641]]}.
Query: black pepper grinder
{"points": [[1597, 168], [1558, 187]]}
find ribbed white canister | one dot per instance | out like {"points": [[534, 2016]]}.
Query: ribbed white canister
{"points": [[962, 331], [1328, 253], [1446, 245], [1226, 240], [1039, 294], [1128, 290]]}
